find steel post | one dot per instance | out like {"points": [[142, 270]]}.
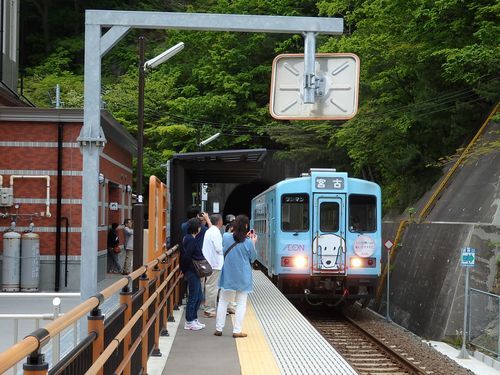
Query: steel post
{"points": [[387, 316], [309, 67], [463, 352], [139, 204], [91, 142]]}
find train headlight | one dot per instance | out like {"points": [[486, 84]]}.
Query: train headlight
{"points": [[356, 262], [300, 262]]}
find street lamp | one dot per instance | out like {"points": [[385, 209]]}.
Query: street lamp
{"points": [[139, 204], [202, 185]]}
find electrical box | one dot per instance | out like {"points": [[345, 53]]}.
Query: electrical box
{"points": [[6, 197]]}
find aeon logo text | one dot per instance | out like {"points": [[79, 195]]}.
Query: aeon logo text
{"points": [[294, 247]]}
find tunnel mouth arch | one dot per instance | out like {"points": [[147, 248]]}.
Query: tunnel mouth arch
{"points": [[239, 200]]}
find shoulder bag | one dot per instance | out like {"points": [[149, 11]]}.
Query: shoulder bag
{"points": [[202, 268]]}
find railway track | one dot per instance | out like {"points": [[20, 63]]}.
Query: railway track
{"points": [[366, 353]]}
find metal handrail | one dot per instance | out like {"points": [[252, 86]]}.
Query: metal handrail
{"points": [[37, 339], [437, 193]]}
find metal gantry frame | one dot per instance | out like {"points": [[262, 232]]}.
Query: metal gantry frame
{"points": [[118, 23]]}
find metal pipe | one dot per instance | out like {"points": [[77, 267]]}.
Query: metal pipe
{"points": [[47, 199], [66, 251], [60, 133]]}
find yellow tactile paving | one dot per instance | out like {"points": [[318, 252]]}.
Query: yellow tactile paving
{"points": [[254, 351]]}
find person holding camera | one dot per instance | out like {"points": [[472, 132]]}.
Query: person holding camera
{"points": [[191, 249], [236, 276]]}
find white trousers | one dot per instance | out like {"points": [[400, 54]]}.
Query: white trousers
{"points": [[225, 297], [211, 289]]}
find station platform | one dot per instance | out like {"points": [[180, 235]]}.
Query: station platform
{"points": [[280, 341]]}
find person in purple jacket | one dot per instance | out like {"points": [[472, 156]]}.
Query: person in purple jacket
{"points": [[191, 249]]}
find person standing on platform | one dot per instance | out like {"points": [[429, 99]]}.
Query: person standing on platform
{"points": [[236, 276], [129, 246], [212, 251], [113, 250], [191, 249]]}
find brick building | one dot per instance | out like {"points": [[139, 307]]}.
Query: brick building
{"points": [[38, 148]]}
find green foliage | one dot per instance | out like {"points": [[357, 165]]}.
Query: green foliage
{"points": [[428, 76]]}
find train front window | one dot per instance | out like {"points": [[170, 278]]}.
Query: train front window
{"points": [[362, 213], [295, 212], [329, 216]]}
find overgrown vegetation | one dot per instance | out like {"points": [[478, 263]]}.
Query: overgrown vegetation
{"points": [[429, 74]]}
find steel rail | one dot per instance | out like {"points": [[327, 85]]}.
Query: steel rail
{"points": [[393, 354]]}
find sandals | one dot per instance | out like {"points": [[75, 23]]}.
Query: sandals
{"points": [[218, 333]]}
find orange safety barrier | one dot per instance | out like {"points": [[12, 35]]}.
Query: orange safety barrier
{"points": [[158, 212], [93, 354]]}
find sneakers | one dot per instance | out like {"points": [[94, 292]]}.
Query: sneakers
{"points": [[193, 326], [208, 314], [218, 333], [200, 323]]}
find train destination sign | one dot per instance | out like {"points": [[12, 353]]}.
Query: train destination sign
{"points": [[330, 183], [468, 257]]}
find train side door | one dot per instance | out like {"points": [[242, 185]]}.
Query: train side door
{"points": [[329, 234]]}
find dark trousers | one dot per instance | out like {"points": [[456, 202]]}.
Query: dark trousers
{"points": [[113, 263], [195, 295]]}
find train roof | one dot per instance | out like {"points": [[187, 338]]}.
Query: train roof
{"points": [[326, 172]]}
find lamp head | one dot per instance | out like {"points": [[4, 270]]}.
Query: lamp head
{"points": [[210, 139], [161, 58]]}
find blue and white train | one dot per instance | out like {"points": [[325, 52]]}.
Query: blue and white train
{"points": [[320, 236]]}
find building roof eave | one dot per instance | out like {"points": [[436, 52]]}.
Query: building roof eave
{"points": [[112, 128]]}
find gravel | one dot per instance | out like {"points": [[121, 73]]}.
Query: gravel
{"points": [[434, 362]]}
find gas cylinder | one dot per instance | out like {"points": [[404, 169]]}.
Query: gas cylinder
{"points": [[11, 267], [30, 262]]}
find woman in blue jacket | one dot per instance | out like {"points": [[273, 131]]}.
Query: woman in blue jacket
{"points": [[236, 276], [191, 249]]}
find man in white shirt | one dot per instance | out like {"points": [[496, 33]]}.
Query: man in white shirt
{"points": [[212, 251]]}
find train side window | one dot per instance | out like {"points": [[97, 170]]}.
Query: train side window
{"points": [[295, 212], [329, 216], [362, 213]]}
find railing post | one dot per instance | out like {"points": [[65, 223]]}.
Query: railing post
{"points": [[172, 296], [166, 307], [144, 283], [96, 324], [35, 364], [156, 349], [178, 286], [126, 298], [56, 340]]}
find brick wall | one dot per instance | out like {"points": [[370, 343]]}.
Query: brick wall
{"points": [[30, 148]]}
